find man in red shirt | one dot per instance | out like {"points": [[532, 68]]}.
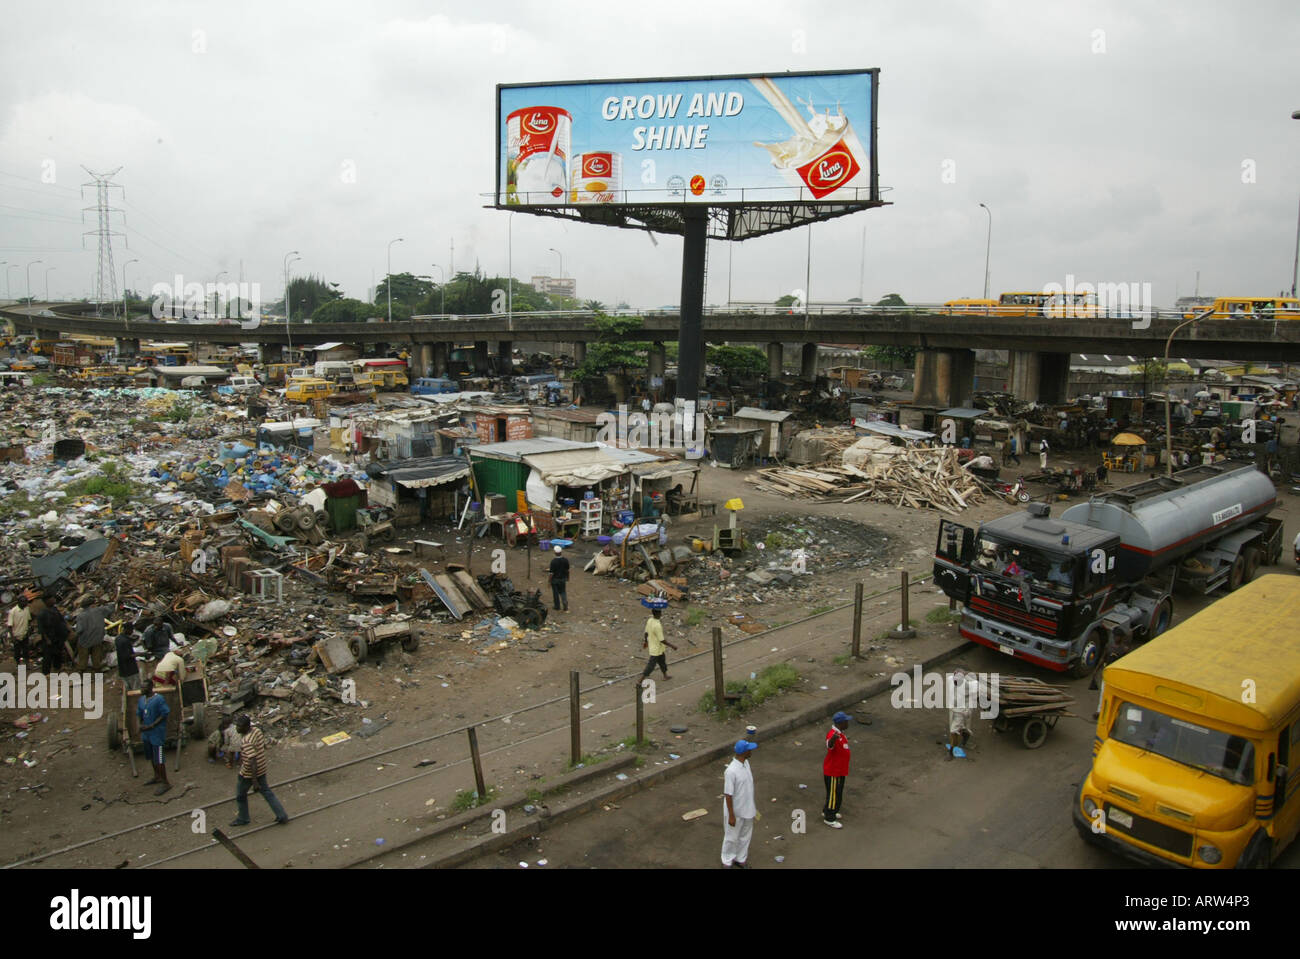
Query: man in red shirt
{"points": [[835, 768]]}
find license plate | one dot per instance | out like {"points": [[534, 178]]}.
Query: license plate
{"points": [[1006, 649], [1121, 818]]}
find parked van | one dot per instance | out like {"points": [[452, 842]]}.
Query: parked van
{"points": [[244, 384], [307, 389], [1192, 757]]}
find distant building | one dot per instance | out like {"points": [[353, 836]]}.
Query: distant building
{"points": [[549, 285]]}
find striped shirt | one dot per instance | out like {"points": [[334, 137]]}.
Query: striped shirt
{"points": [[252, 758]]}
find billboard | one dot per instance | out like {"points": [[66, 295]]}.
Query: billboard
{"points": [[794, 137]]}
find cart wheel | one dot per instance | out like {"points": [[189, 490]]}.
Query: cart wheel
{"points": [[359, 649], [411, 642], [1034, 733], [114, 732], [1051, 720], [530, 618], [306, 520], [201, 720], [284, 521], [1001, 724]]}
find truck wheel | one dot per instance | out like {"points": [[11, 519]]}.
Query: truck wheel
{"points": [[1258, 853], [114, 732], [1034, 733], [1161, 618], [1238, 573], [1252, 563], [1093, 647], [358, 649]]}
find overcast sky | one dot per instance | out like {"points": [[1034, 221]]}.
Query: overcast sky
{"points": [[1117, 142]]}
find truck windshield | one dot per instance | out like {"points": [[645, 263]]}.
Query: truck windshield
{"points": [[1209, 750], [1053, 572]]}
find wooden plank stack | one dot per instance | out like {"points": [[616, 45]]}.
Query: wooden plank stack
{"points": [[919, 478], [1025, 695]]}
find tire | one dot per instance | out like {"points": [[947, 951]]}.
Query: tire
{"points": [[359, 649], [1034, 734], [1023, 496], [1252, 563], [1258, 853], [306, 520], [200, 721], [1161, 619], [1093, 647], [1238, 573], [284, 522], [114, 732], [411, 643]]}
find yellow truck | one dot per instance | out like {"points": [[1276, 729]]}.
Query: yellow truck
{"points": [[1250, 307], [1192, 757], [306, 389]]}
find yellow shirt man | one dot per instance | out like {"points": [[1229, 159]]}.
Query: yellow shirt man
{"points": [[658, 646]]}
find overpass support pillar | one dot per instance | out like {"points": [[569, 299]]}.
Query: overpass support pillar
{"points": [[272, 353], [421, 358], [1039, 377], [657, 361], [505, 356], [775, 356], [440, 355], [128, 347], [808, 362], [579, 353], [480, 356], [944, 378]]}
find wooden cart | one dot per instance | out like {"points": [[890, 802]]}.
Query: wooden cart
{"points": [[187, 720], [1031, 707]]}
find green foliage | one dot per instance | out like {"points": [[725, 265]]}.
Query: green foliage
{"points": [[16, 503], [892, 354], [738, 360], [306, 293], [942, 614], [594, 305], [614, 350], [348, 311], [588, 760], [695, 616], [787, 300], [765, 685], [774, 540], [111, 480], [468, 799], [42, 379], [408, 289], [891, 299], [178, 413], [474, 293]]}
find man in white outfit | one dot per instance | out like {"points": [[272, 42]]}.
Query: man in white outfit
{"points": [[738, 809], [1043, 450]]}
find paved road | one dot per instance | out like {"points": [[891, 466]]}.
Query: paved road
{"points": [[905, 805]]}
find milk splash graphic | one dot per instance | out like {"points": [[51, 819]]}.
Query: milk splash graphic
{"points": [[823, 155]]}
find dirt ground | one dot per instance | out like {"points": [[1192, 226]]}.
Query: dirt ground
{"points": [[79, 790]]}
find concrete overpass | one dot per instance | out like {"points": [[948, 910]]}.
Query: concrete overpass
{"points": [[1039, 347]]}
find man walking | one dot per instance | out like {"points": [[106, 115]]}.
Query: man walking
{"points": [[738, 810], [835, 768], [963, 696], [152, 711], [654, 640], [1043, 450], [252, 769], [54, 635], [560, 579]]}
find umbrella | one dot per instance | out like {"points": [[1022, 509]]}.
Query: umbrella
{"points": [[1128, 439]]}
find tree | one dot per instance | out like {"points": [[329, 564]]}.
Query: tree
{"points": [[905, 355], [737, 361], [787, 300], [346, 311], [308, 292], [407, 288], [594, 305], [613, 349], [891, 299]]}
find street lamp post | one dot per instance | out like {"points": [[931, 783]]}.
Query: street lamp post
{"points": [[47, 282], [287, 311], [988, 246], [1295, 266], [442, 286], [2, 263], [510, 265], [388, 280], [8, 267], [216, 295], [125, 317], [29, 277], [1169, 436]]}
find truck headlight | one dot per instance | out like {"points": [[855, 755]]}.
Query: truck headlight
{"points": [[1089, 807], [1209, 853]]}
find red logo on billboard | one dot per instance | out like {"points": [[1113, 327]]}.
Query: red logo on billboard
{"points": [[596, 164], [539, 123], [697, 184], [830, 171]]}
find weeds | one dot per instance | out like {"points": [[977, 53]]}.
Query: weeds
{"points": [[753, 692], [468, 799], [590, 759], [695, 616], [942, 614]]}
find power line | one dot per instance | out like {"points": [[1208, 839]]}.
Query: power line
{"points": [[106, 281]]}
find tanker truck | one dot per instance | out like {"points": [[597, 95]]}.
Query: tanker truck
{"points": [[1056, 591]]}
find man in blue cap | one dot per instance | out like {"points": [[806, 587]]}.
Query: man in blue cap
{"points": [[738, 810], [835, 768]]}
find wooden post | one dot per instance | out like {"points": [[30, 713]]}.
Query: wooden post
{"points": [[575, 727], [903, 622], [235, 851], [478, 764], [719, 687], [640, 716], [857, 620]]}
